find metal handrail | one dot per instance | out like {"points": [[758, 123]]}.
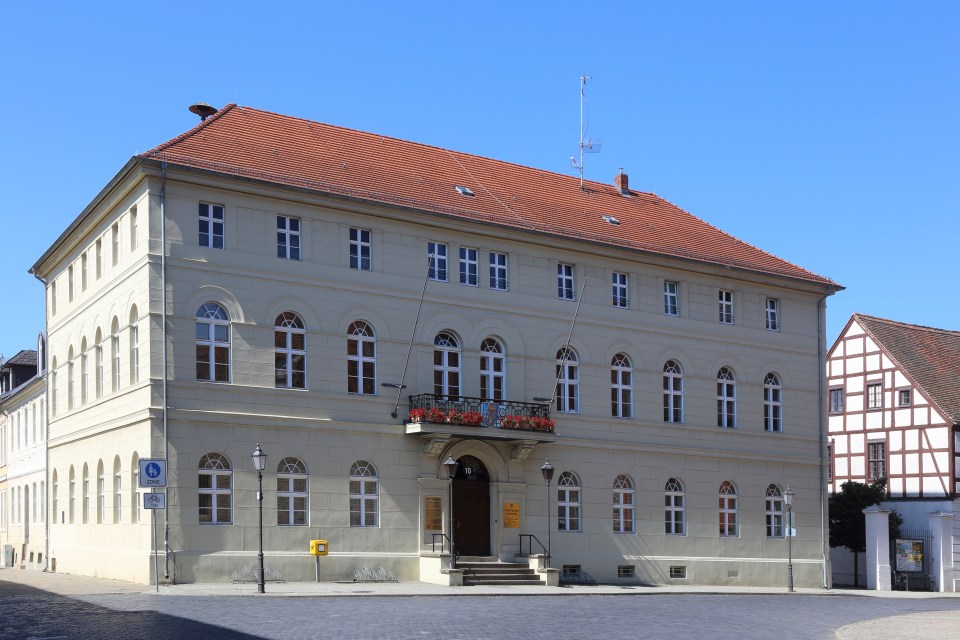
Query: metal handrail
{"points": [[433, 543], [530, 538]]}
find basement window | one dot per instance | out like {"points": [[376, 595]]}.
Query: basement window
{"points": [[611, 219], [464, 191], [678, 572], [571, 570], [625, 571]]}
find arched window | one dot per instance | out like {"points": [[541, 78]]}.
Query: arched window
{"points": [[213, 343], [101, 494], [623, 505], [568, 502], [115, 353], [98, 363], [292, 493], [216, 489], [492, 370], [568, 381], [621, 387], [117, 492], [53, 386], [290, 357], [674, 510], [446, 365], [135, 501], [72, 507], [772, 406], [84, 372], [774, 504], [361, 359], [364, 495], [728, 509], [134, 346], [55, 496], [726, 398], [70, 379], [672, 392], [85, 488]]}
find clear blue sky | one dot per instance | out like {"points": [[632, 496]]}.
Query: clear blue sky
{"points": [[823, 132]]}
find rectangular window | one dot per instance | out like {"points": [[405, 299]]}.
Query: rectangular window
{"points": [[70, 283], [468, 267], [115, 243], [99, 257], [877, 460], [874, 396], [133, 229], [773, 314], [288, 238], [53, 298], [211, 225], [625, 571], [726, 306], [903, 397], [678, 572], [437, 257], [360, 249], [498, 271], [671, 304], [620, 299], [83, 271], [836, 400], [565, 289]]}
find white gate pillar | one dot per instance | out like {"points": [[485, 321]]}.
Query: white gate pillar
{"points": [[878, 548], [941, 562]]}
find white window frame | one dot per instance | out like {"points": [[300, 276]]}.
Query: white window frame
{"points": [[84, 373], [215, 466], [360, 249], [725, 300], [774, 511], [83, 271], [135, 492], [446, 365], [568, 502], [361, 358], [289, 360], [498, 271], [288, 237], [874, 395], [621, 386], [101, 493], [726, 398], [437, 261], [620, 286], [836, 400], [70, 379], [727, 511], [70, 283], [624, 505], [565, 281], [72, 494], [213, 334], [86, 494], [293, 487], [98, 363], [117, 491], [904, 398], [876, 465], [672, 392], [675, 515], [568, 381], [133, 229], [773, 314], [115, 353], [99, 257], [492, 370], [364, 495], [772, 403], [134, 346], [469, 267], [671, 298], [211, 218], [115, 243]]}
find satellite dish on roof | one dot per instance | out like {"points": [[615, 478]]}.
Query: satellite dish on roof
{"points": [[203, 110]]}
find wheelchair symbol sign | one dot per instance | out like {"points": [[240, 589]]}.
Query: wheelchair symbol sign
{"points": [[153, 473]]}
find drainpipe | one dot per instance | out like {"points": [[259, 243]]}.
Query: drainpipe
{"points": [[823, 489], [46, 417], [163, 334]]}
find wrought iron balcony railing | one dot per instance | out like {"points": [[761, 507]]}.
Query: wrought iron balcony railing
{"points": [[477, 412]]}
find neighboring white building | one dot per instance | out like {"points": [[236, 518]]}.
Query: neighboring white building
{"points": [[266, 279], [894, 413], [23, 449]]}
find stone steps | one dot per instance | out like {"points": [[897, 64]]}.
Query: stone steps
{"points": [[493, 572]]}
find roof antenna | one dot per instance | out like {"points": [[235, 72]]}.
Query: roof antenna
{"points": [[203, 110], [588, 145]]}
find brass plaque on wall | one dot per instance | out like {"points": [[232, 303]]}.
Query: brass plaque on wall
{"points": [[511, 515], [433, 513]]}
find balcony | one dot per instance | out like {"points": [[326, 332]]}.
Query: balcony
{"points": [[439, 418]]}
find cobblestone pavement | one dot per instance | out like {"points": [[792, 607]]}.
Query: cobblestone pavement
{"points": [[120, 611]]}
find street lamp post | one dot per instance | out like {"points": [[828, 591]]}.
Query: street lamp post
{"points": [[450, 466], [260, 462], [547, 471], [788, 500]]}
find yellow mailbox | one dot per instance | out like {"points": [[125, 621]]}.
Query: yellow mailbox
{"points": [[319, 547]]}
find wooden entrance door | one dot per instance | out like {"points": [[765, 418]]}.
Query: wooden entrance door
{"points": [[471, 508]]}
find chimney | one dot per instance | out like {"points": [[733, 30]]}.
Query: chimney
{"points": [[622, 183]]}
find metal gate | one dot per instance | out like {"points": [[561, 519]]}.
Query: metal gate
{"points": [[910, 560]]}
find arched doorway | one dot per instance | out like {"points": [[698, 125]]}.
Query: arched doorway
{"points": [[471, 508]]}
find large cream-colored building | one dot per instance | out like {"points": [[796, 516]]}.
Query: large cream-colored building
{"points": [[265, 279]]}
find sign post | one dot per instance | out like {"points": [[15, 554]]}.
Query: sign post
{"points": [[153, 475]]}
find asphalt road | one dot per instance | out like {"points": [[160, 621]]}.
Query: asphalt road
{"points": [[27, 613]]}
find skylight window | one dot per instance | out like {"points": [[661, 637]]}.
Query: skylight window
{"points": [[464, 191], [611, 219]]}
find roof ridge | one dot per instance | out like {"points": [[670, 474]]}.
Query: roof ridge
{"points": [[186, 134], [907, 324]]}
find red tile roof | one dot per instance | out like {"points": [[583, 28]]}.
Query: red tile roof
{"points": [[281, 149], [930, 356]]}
